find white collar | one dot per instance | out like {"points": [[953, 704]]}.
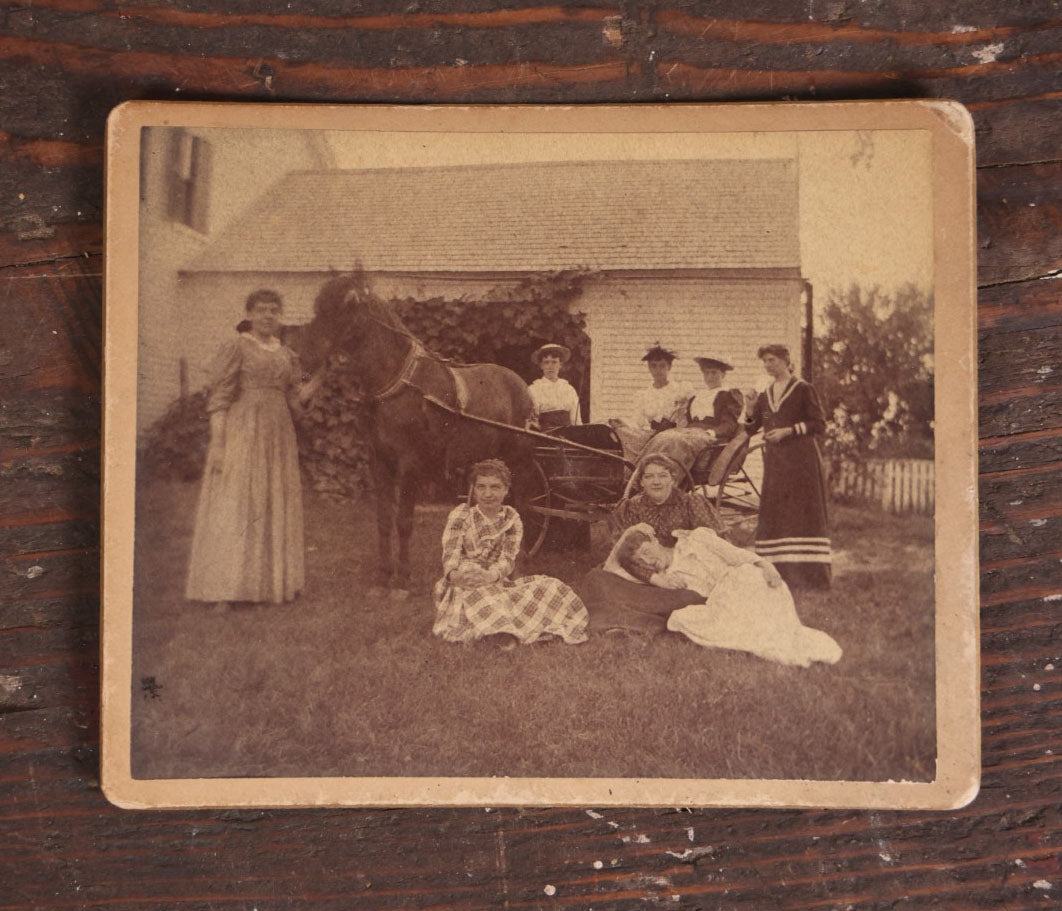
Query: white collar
{"points": [[790, 386], [272, 345]]}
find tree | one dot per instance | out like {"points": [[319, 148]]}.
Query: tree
{"points": [[874, 367]]}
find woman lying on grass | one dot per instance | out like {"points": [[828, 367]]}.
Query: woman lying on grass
{"points": [[475, 597], [746, 605], [618, 605]]}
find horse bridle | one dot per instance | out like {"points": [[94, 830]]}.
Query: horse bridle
{"points": [[405, 373]]}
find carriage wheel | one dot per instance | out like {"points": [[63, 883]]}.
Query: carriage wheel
{"points": [[737, 497], [536, 524]]}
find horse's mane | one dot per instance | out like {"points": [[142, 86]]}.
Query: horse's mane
{"points": [[340, 294]]}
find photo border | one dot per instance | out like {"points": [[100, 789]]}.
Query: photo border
{"points": [[957, 668]]}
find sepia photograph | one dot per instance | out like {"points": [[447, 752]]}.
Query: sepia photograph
{"points": [[502, 456]]}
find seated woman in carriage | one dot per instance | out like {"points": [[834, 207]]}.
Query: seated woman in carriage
{"points": [[657, 408], [556, 403], [476, 596], [710, 418]]}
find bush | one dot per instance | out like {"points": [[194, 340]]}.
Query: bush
{"points": [[334, 440], [176, 444], [874, 367]]}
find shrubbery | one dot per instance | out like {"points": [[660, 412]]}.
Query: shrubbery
{"points": [[176, 445], [874, 368]]}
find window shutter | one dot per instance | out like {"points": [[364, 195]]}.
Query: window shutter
{"points": [[199, 185]]}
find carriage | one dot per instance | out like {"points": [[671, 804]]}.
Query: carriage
{"points": [[582, 474]]}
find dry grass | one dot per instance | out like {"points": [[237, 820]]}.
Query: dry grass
{"points": [[336, 684]]}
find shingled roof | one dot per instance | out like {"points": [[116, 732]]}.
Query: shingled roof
{"points": [[717, 214]]}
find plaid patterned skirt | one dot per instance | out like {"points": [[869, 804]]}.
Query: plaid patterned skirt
{"points": [[530, 609]]}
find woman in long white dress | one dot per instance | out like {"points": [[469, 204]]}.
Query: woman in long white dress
{"points": [[476, 595], [248, 539], [746, 604]]}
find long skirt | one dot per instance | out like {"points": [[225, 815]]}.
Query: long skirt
{"points": [[792, 531], [746, 614], [681, 444], [531, 608], [248, 540], [615, 603]]}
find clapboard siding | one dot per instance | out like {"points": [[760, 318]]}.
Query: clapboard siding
{"points": [[723, 317], [220, 299], [719, 317]]}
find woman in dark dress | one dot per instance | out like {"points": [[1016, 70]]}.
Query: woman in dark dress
{"points": [[715, 408], [793, 529], [615, 603]]}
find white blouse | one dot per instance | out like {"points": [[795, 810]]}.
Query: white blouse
{"points": [[555, 395], [659, 404], [702, 559], [703, 404]]}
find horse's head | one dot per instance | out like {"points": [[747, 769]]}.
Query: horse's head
{"points": [[338, 312]]}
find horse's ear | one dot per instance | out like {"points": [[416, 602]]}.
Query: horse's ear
{"points": [[332, 295], [356, 286]]}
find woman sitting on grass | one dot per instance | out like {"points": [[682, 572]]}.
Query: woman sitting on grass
{"points": [[616, 604], [743, 602], [475, 597]]}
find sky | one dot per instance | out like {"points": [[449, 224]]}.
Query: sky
{"points": [[865, 214]]}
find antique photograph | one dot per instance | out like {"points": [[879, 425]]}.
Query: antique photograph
{"points": [[540, 457]]}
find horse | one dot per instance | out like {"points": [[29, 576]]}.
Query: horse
{"points": [[416, 401]]}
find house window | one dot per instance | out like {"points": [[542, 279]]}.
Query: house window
{"points": [[188, 179]]}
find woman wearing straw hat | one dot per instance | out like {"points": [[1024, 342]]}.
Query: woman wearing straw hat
{"points": [[555, 400], [715, 408]]}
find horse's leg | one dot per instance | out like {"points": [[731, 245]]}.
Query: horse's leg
{"points": [[383, 470], [408, 482]]}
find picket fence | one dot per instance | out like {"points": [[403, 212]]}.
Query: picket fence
{"points": [[898, 485]]}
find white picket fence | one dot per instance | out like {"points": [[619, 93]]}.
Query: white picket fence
{"points": [[898, 485]]}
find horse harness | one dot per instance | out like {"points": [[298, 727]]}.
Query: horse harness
{"points": [[405, 375]]}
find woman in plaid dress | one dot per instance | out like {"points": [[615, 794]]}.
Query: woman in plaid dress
{"points": [[476, 596]]}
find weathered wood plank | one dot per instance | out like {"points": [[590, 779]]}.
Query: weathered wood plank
{"points": [[1019, 210]]}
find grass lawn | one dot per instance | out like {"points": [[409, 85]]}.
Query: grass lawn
{"points": [[341, 684]]}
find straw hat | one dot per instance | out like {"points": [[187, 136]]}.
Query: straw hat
{"points": [[552, 349]]}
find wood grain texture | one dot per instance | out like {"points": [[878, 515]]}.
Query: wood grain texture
{"points": [[65, 63]]}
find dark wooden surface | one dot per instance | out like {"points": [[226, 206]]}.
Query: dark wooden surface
{"points": [[65, 63]]}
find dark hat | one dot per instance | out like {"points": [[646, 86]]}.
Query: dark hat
{"points": [[703, 362], [658, 353], [553, 349]]}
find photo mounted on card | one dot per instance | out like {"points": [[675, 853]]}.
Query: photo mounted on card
{"points": [[505, 456]]}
